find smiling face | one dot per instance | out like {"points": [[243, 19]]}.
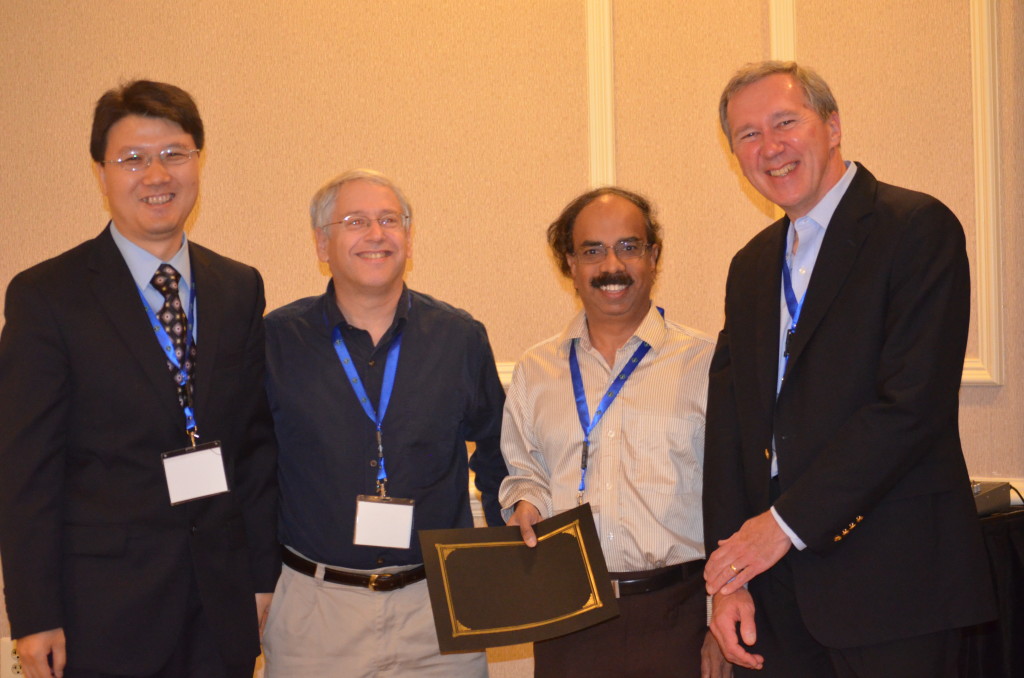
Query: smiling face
{"points": [[369, 261], [613, 290], [789, 154], [150, 206]]}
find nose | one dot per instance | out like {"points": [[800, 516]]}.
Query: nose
{"points": [[155, 173], [612, 262], [772, 143], [374, 231]]}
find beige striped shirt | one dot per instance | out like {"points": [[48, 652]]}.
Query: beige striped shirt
{"points": [[646, 454]]}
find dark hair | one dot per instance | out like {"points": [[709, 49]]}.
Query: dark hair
{"points": [[560, 231], [146, 98]]}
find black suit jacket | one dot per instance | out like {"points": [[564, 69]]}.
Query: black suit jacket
{"points": [[871, 470], [88, 538]]}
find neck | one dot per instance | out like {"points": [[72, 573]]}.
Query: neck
{"points": [[163, 249], [373, 312], [608, 335]]}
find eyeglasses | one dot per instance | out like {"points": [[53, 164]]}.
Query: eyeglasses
{"points": [[133, 161], [359, 222], [624, 250]]}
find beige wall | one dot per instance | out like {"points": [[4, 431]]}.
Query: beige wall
{"points": [[480, 111]]}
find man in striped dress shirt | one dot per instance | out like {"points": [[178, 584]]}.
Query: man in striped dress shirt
{"points": [[639, 437]]}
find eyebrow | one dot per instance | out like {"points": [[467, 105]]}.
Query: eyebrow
{"points": [[591, 243]]}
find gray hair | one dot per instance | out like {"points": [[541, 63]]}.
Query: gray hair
{"points": [[816, 90], [322, 205]]}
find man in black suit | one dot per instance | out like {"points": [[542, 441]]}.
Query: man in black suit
{"points": [[836, 492], [119, 558]]}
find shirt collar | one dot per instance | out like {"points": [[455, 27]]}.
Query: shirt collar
{"points": [[143, 264], [652, 329], [335, 317], [821, 214]]}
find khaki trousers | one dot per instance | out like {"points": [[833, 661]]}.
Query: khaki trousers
{"points": [[322, 629]]}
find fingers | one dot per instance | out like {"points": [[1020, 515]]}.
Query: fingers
{"points": [[526, 516], [59, 658], [529, 537], [724, 572], [728, 613]]}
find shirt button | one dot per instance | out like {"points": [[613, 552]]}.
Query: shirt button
{"points": [[608, 486], [373, 463], [611, 434], [194, 529], [380, 560], [374, 362]]}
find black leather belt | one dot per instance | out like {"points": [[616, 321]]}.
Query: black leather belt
{"points": [[633, 583], [374, 582]]}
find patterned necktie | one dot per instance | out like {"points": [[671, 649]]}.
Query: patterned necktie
{"points": [[172, 317]]}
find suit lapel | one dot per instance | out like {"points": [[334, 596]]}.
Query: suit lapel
{"points": [[210, 300], [116, 293], [843, 240], [769, 270]]}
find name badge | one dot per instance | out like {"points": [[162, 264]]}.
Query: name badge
{"points": [[195, 472], [383, 521]]}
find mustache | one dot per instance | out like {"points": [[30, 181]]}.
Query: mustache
{"points": [[620, 278]]}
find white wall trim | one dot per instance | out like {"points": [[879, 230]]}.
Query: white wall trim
{"points": [[987, 367], [505, 373], [782, 29], [601, 92]]}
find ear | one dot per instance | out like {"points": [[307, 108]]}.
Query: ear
{"points": [[101, 173], [835, 130], [323, 245], [571, 261], [656, 252]]}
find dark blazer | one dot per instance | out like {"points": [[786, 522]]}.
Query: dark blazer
{"points": [[88, 538], [871, 471]]}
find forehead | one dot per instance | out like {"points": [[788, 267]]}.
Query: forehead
{"points": [[139, 130], [365, 196], [773, 94], [608, 219]]}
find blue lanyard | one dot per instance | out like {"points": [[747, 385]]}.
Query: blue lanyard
{"points": [[602, 407], [377, 417], [167, 344], [793, 306]]}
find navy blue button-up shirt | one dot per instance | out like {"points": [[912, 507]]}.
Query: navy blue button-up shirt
{"points": [[446, 392]]}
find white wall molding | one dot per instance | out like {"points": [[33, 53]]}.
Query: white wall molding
{"points": [[987, 367], [601, 91], [505, 373], [782, 29]]}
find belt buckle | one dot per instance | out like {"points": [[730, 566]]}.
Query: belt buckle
{"points": [[375, 578]]}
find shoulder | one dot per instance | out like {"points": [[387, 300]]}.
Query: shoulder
{"points": [[295, 312], [687, 336], [899, 204], [766, 240], [56, 272], [434, 313], [224, 266]]}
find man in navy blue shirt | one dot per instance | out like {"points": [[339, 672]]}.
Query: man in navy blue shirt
{"points": [[375, 390]]}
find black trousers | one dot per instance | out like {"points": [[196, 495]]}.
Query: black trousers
{"points": [[656, 634], [196, 654], [790, 651]]}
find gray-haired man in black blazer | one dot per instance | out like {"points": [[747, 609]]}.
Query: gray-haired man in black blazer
{"points": [[835, 489]]}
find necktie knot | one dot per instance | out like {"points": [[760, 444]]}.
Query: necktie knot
{"points": [[165, 281]]}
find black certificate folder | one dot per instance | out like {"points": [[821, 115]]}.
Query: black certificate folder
{"points": [[487, 588]]}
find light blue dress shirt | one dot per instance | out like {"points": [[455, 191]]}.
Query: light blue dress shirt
{"points": [[811, 231], [143, 265]]}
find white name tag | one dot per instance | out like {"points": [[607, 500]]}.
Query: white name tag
{"points": [[383, 522], [195, 472]]}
